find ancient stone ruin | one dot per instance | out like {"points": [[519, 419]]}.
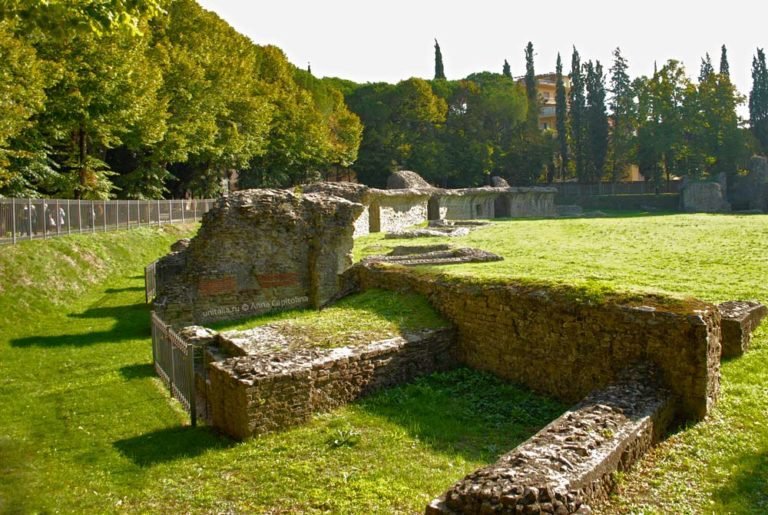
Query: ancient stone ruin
{"points": [[631, 366]]}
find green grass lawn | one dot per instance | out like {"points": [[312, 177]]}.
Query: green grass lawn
{"points": [[357, 319], [721, 464], [87, 428]]}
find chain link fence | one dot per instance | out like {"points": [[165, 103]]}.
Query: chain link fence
{"points": [[28, 219]]}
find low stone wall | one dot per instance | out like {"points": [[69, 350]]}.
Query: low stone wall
{"points": [[256, 394], [467, 204], [704, 197], [554, 342], [400, 210], [570, 463], [526, 203]]}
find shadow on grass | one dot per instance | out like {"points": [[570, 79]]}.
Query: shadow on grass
{"points": [[138, 371], [170, 444], [465, 412], [131, 321], [122, 290], [746, 490]]}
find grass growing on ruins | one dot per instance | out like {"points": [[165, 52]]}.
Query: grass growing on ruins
{"points": [[721, 464], [87, 428], [361, 318]]}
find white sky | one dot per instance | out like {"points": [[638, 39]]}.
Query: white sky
{"points": [[392, 40]]}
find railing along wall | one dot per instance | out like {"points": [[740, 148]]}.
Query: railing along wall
{"points": [[28, 219], [174, 362]]}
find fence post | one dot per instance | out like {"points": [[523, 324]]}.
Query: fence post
{"points": [[191, 378], [117, 214], [13, 219], [57, 218], [182, 211]]}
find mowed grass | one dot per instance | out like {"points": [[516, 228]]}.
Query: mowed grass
{"points": [[356, 319], [85, 427], [716, 466]]}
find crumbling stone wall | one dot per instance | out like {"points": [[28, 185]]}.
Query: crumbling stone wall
{"points": [[550, 340], [467, 204], [257, 251], [751, 191], [257, 394], [526, 202], [400, 210], [570, 464], [704, 197], [405, 179]]}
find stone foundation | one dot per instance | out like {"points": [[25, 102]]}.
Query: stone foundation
{"points": [[570, 463], [270, 391], [739, 318], [549, 339]]}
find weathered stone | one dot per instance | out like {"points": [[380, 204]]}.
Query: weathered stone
{"points": [[432, 232], [258, 251], [704, 197], [180, 245], [616, 425], [405, 179], [504, 328], [439, 257], [499, 182], [274, 387], [739, 319], [406, 250]]}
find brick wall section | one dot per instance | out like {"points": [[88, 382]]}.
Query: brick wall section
{"points": [[548, 339], [570, 464], [251, 395]]}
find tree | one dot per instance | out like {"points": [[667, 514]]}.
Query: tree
{"points": [[506, 70], [439, 71], [596, 122], [707, 69], [530, 90], [561, 116], [578, 107], [623, 117], [725, 69], [758, 100]]}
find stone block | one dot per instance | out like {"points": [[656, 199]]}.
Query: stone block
{"points": [[739, 319]]}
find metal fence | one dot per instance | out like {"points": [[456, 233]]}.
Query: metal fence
{"points": [[572, 189], [27, 219], [174, 361], [150, 283]]}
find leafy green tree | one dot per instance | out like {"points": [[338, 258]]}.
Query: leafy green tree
{"points": [[758, 100], [622, 142], [530, 89], [506, 70], [439, 70], [725, 69], [707, 69], [597, 122], [561, 117], [578, 103]]}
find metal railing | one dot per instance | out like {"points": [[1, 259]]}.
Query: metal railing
{"points": [[150, 281], [28, 219], [174, 361]]}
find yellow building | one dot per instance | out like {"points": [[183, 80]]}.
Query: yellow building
{"points": [[546, 85]]}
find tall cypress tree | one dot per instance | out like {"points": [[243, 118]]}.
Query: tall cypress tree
{"points": [[530, 89], [597, 122], [561, 116], [758, 99], [706, 70], [578, 105], [725, 69], [506, 70], [439, 71], [623, 116]]}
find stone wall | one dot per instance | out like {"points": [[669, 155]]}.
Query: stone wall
{"points": [[399, 210], [750, 192], [525, 203], [551, 340], [571, 463], [258, 251], [467, 204], [257, 394], [704, 197]]}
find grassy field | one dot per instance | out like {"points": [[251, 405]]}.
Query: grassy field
{"points": [[86, 427], [357, 319], [717, 466]]}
